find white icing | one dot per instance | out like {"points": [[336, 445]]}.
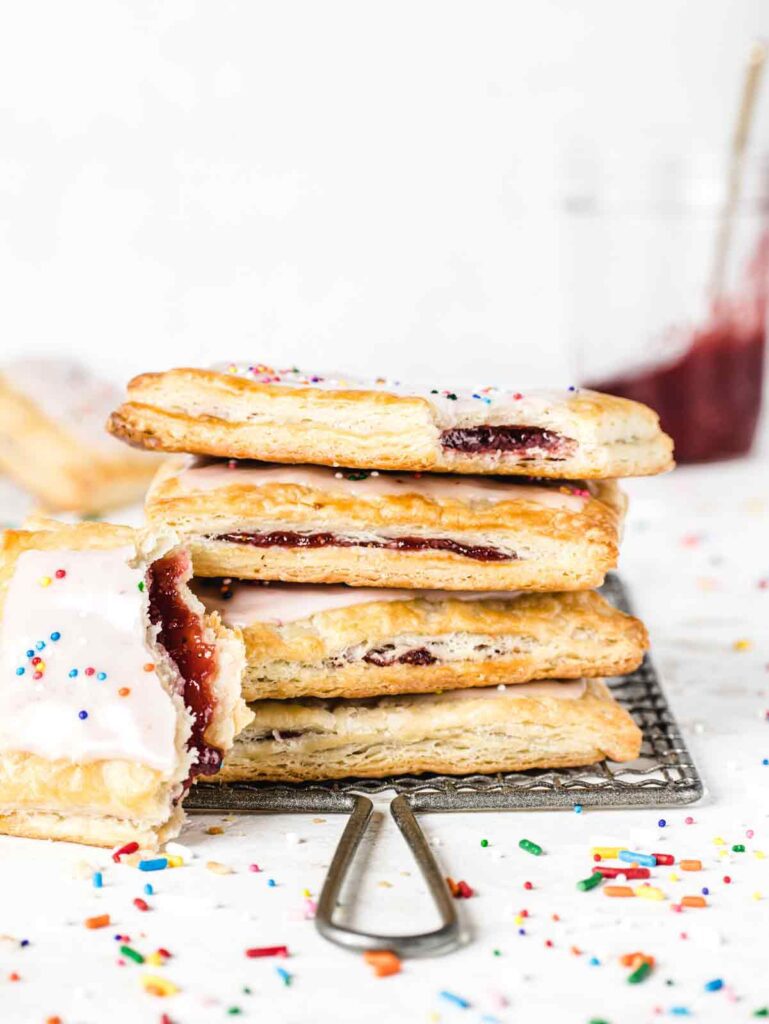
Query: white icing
{"points": [[201, 476], [68, 393], [290, 602], [100, 613], [572, 689], [482, 405]]}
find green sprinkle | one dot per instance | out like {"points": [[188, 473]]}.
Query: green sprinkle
{"points": [[497, 952], [484, 842], [763, 1012], [642, 971], [590, 883], [597, 1020], [529, 847], [738, 848], [246, 990], [132, 954], [234, 1011], [140, 585]]}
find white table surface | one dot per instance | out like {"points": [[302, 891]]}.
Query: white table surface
{"points": [[696, 553]]}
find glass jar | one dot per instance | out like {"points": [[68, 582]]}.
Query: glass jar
{"points": [[652, 315]]}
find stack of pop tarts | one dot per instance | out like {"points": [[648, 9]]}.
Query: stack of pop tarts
{"points": [[413, 572]]}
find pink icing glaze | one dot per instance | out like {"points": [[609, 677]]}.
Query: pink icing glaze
{"points": [[290, 602], [204, 477]]}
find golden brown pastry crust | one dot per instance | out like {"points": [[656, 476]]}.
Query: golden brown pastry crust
{"points": [[106, 801], [478, 732], [499, 639], [557, 548], [214, 413], [61, 470]]}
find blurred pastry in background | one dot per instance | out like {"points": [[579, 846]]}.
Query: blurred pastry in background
{"points": [[53, 441]]}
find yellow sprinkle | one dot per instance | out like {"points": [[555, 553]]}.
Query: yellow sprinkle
{"points": [[214, 830], [606, 851], [650, 892], [723, 852], [718, 841], [157, 986], [176, 862], [757, 896], [674, 877], [219, 869], [44, 581], [306, 893], [742, 645], [519, 918], [759, 854], [155, 959]]}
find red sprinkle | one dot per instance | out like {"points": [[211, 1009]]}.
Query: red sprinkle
{"points": [[727, 879], [528, 885], [627, 872], [465, 892], [90, 671], [141, 904], [664, 858], [124, 850], [60, 574], [164, 952], [259, 951]]}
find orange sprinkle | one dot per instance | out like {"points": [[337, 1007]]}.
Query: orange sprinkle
{"points": [[690, 865], [124, 691], [13, 976], [383, 961], [149, 667], [636, 959], [453, 887], [97, 922], [694, 901], [618, 890], [53, 1020]]}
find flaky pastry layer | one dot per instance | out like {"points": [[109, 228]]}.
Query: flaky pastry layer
{"points": [[452, 733]]}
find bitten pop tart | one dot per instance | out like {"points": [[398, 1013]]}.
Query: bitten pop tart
{"points": [[116, 689], [321, 640], [253, 411], [369, 528]]}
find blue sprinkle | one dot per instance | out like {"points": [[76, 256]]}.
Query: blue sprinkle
{"points": [[19, 671], [271, 882], [647, 859], [72, 673], [521, 931], [450, 997], [30, 654], [594, 961], [706, 891], [55, 636], [97, 880], [572, 388], [155, 864], [40, 645], [578, 808], [679, 1011], [765, 760], [82, 715], [662, 823], [714, 985], [283, 974], [24, 942], [101, 675], [148, 890]]}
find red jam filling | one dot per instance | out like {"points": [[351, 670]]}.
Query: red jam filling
{"points": [[181, 635], [382, 657], [289, 539], [517, 440]]}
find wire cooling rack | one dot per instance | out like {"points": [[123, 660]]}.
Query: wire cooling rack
{"points": [[663, 776]]}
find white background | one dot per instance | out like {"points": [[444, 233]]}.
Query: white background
{"points": [[354, 185]]}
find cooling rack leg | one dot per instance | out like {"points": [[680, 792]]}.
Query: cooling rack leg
{"points": [[443, 939]]}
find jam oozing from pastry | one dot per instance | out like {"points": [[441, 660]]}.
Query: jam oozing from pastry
{"points": [[181, 635], [486, 440], [290, 539], [383, 657]]}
